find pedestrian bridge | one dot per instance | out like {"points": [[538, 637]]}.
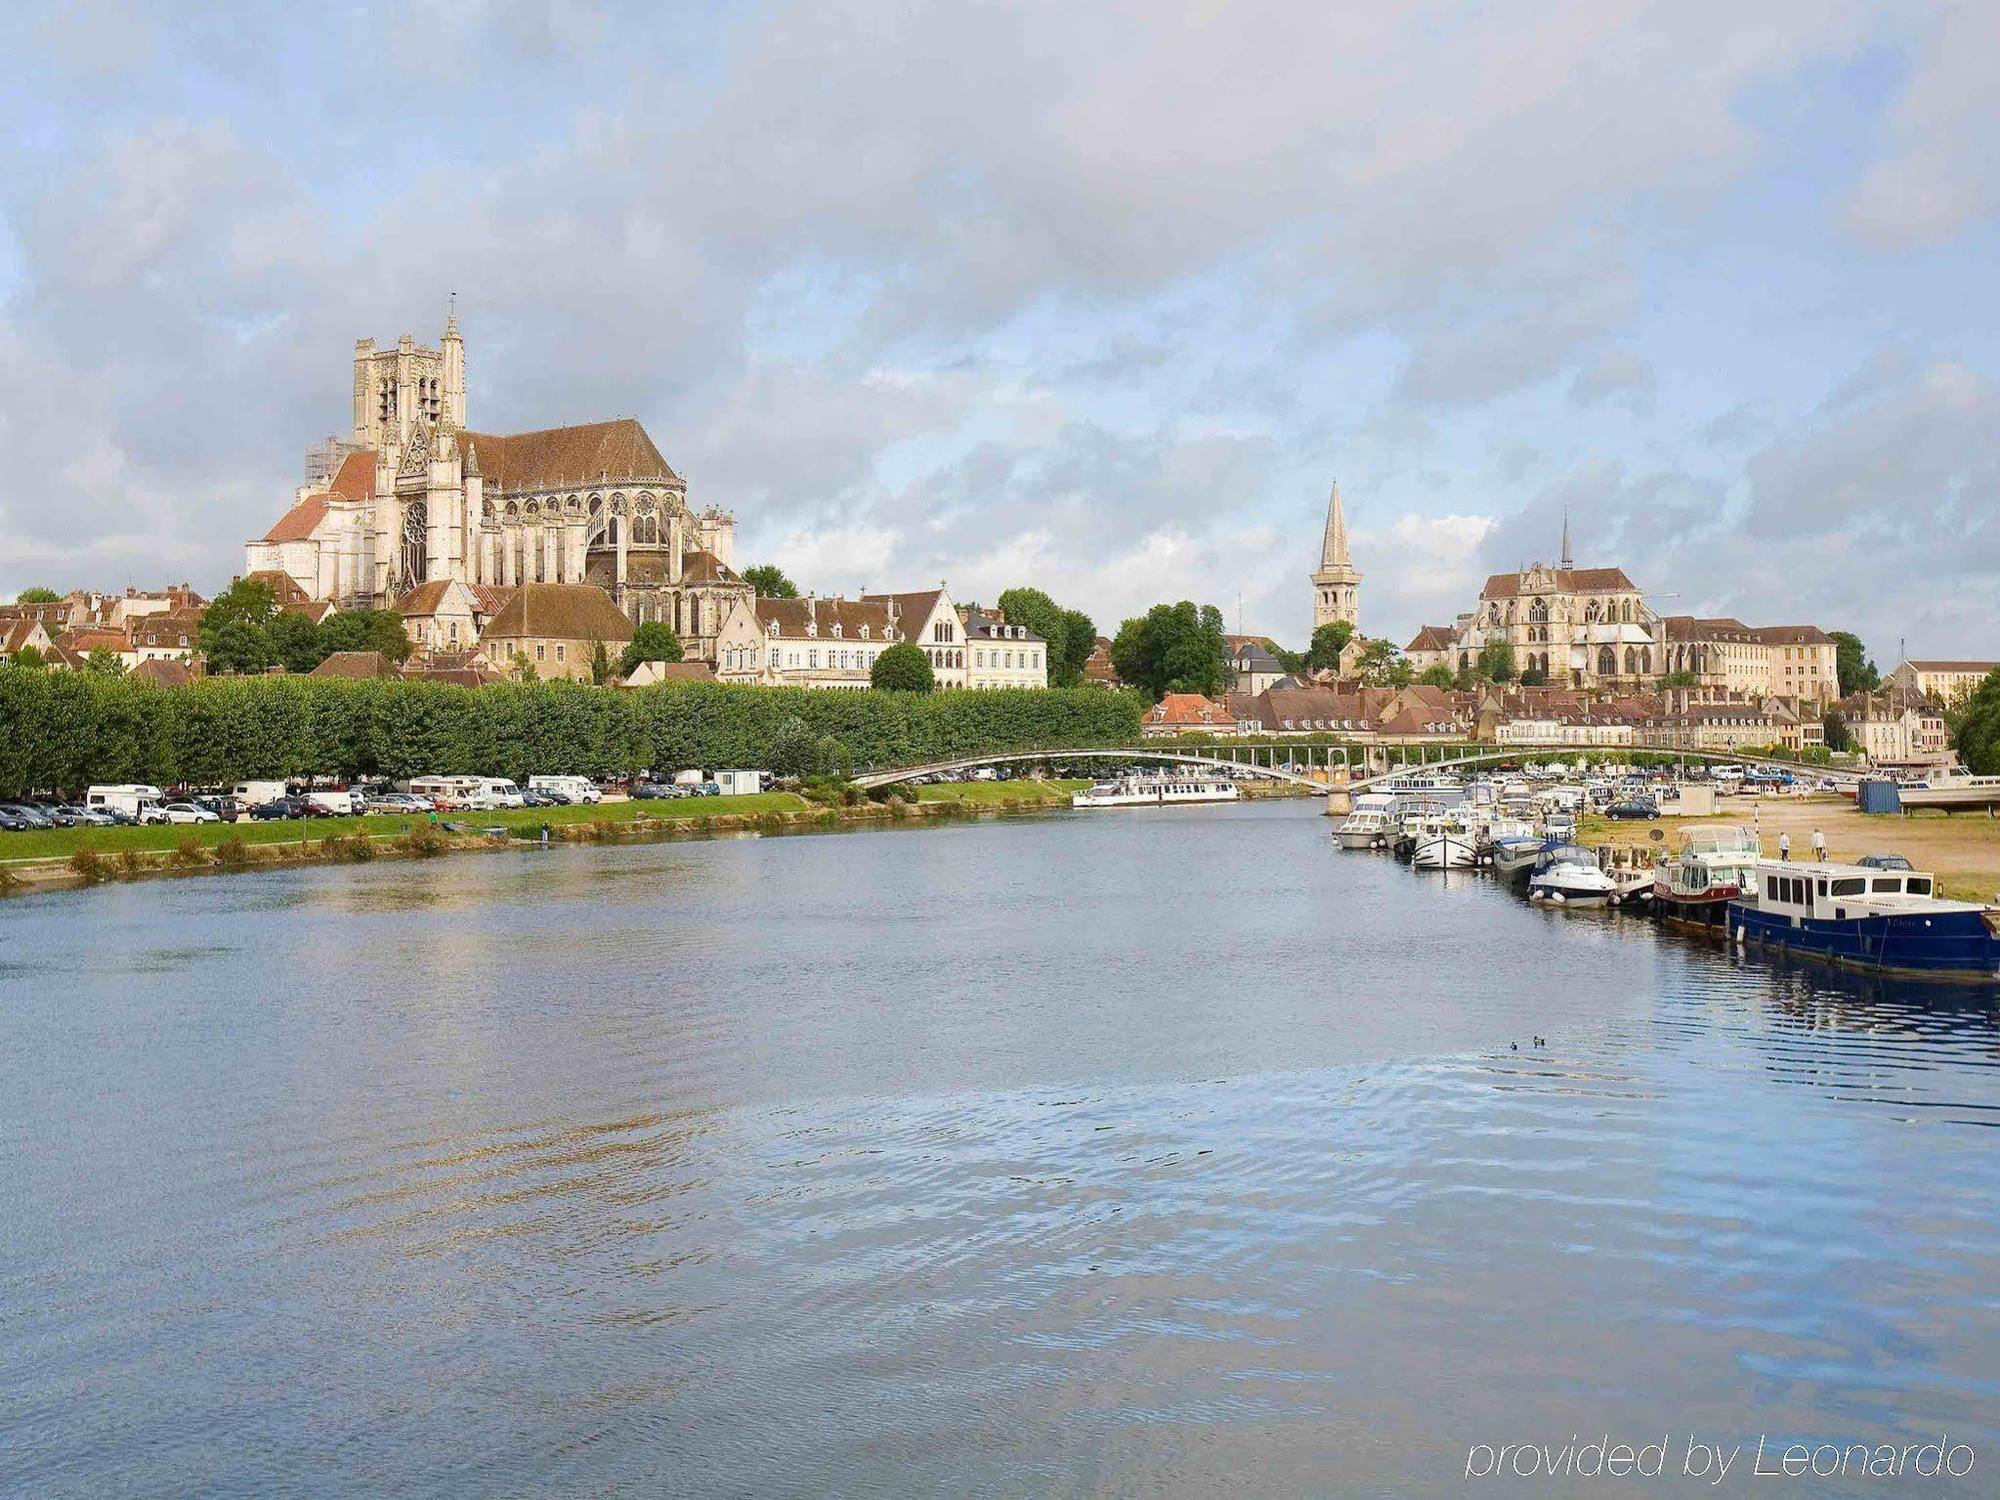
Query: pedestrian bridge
{"points": [[1327, 767]]}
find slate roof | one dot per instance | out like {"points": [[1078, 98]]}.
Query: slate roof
{"points": [[851, 615]]}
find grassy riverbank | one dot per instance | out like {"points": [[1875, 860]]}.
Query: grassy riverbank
{"points": [[1963, 851], [73, 856]]}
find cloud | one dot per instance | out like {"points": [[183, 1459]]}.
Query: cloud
{"points": [[1612, 373]]}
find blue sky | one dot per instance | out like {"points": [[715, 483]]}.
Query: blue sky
{"points": [[1097, 298]]}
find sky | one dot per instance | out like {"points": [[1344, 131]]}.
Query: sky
{"points": [[1097, 298]]}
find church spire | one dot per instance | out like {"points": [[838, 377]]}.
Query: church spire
{"points": [[1337, 583], [1566, 564], [1333, 550]]}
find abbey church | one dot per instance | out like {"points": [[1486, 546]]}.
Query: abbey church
{"points": [[415, 496]]}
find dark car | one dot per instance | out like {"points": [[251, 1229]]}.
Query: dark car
{"points": [[29, 814], [647, 791], [278, 807], [1632, 810], [536, 797], [224, 807], [61, 814], [13, 822], [1885, 862]]}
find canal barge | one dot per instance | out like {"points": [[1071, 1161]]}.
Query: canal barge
{"points": [[1884, 921], [1694, 885]]}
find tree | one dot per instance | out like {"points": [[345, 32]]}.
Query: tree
{"points": [[295, 643], [651, 641], [522, 669], [1833, 728], [600, 664], [1173, 648], [1976, 736], [366, 630], [793, 749], [1534, 677], [770, 582], [37, 596], [1857, 674], [902, 668], [1680, 679], [29, 658], [1071, 635], [1496, 662], [1382, 665], [238, 645], [1293, 662], [1438, 676], [1328, 641]]}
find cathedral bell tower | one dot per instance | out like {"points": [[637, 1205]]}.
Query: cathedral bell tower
{"points": [[1337, 583]]}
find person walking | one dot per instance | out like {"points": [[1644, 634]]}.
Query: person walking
{"points": [[1784, 846], [1819, 847]]}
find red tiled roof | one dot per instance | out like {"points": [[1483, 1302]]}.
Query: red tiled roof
{"points": [[355, 478], [299, 523], [852, 616], [1189, 709], [559, 611], [1433, 638], [1956, 666], [162, 673]]}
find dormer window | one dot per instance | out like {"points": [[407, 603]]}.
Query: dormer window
{"points": [[864, 632], [773, 630], [836, 630]]}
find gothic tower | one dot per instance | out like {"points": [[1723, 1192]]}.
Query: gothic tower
{"points": [[1337, 584]]}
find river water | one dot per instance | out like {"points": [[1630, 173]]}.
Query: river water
{"points": [[1090, 1154]]}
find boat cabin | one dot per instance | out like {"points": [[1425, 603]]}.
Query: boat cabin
{"points": [[1835, 893]]}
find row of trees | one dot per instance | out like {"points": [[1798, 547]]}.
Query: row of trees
{"points": [[245, 631], [67, 730]]}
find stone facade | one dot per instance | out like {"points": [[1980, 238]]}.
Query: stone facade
{"points": [[809, 642], [999, 655]]}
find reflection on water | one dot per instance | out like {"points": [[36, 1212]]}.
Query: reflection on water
{"points": [[1174, 1153]]}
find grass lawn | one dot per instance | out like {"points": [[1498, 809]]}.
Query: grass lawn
{"points": [[60, 843], [1002, 793]]}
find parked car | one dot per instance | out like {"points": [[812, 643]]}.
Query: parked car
{"points": [[1632, 810], [649, 791], [188, 812], [278, 807], [396, 804], [1885, 862], [29, 814], [61, 814], [13, 822], [221, 804], [534, 796]]}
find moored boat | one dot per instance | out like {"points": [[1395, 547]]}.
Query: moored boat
{"points": [[1569, 876], [1885, 921], [1694, 886]]}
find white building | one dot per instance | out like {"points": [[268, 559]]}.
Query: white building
{"points": [[999, 655], [809, 642]]}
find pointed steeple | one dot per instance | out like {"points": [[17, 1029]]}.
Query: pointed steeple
{"points": [[1337, 583], [1333, 550], [1565, 564]]}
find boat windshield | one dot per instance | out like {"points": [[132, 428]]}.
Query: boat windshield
{"points": [[1739, 841]]}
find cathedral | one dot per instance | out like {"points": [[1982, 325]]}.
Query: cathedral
{"points": [[1337, 583], [415, 496]]}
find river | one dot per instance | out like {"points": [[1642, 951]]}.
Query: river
{"points": [[1121, 1153]]}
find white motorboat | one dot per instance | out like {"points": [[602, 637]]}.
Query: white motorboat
{"points": [[1170, 789], [1569, 876], [1371, 824]]}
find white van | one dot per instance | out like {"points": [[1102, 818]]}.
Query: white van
{"points": [[488, 792], [572, 789], [134, 799], [334, 804], [689, 778], [257, 793]]}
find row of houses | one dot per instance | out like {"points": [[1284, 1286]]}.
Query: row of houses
{"points": [[555, 628], [1498, 714]]}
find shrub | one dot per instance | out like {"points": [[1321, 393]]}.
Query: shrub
{"points": [[86, 864], [903, 668], [188, 853], [423, 841], [232, 853], [129, 862]]}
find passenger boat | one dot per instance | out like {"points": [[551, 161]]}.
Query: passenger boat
{"points": [[1953, 792], [1884, 921], [1170, 789], [1569, 876], [1694, 886]]}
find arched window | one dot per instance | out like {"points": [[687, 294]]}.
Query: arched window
{"points": [[1631, 661], [646, 530], [1607, 662]]}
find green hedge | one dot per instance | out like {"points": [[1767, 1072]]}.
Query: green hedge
{"points": [[61, 731]]}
